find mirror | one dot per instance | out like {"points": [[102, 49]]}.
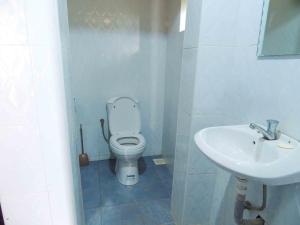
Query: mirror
{"points": [[280, 28]]}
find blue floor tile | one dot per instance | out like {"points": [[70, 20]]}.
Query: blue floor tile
{"points": [[149, 191], [113, 193], [122, 215], [91, 198], [145, 162], [150, 186], [90, 176], [145, 203], [90, 180], [156, 212], [149, 176], [93, 216], [85, 170], [163, 172], [165, 176], [106, 168]]}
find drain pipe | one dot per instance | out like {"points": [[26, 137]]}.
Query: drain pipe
{"points": [[249, 206], [241, 204]]}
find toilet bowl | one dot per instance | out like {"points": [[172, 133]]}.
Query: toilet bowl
{"points": [[126, 142]]}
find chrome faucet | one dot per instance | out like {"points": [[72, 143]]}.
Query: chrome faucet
{"points": [[271, 133]]}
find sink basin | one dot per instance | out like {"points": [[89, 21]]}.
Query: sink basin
{"points": [[246, 154]]}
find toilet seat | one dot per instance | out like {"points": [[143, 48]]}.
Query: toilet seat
{"points": [[127, 144]]}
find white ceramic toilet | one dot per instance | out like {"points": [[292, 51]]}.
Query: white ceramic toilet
{"points": [[126, 141]]}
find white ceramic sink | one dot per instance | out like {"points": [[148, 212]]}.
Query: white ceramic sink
{"points": [[245, 153]]}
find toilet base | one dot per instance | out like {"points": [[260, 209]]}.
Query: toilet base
{"points": [[127, 172]]}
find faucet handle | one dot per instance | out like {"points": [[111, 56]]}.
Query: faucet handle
{"points": [[272, 125]]}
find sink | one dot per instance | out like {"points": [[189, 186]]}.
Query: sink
{"points": [[243, 152]]}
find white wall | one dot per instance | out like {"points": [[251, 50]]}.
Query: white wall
{"points": [[200, 210], [35, 171], [118, 48], [261, 88], [72, 125], [172, 82], [232, 86]]}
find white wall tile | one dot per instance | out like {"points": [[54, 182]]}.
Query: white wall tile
{"points": [[212, 78], [23, 164], [193, 21], [275, 82], [17, 103], [172, 82], [218, 211], [72, 125], [181, 153], [178, 190], [12, 23], [187, 82], [198, 162], [29, 209], [219, 21], [94, 143], [223, 24], [249, 20], [42, 21], [197, 206], [33, 124]]}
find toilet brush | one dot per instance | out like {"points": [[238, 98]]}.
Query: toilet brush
{"points": [[83, 157]]}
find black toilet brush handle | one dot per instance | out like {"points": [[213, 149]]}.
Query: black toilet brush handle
{"points": [[81, 139]]}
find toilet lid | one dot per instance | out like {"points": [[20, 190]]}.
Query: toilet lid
{"points": [[124, 116]]}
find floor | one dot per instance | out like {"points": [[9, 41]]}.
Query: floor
{"points": [[107, 202]]}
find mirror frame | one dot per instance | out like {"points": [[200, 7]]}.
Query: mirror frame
{"points": [[262, 31]]}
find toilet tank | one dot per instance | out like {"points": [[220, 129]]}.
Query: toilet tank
{"points": [[123, 115]]}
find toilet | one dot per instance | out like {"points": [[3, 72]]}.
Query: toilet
{"points": [[126, 141]]}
